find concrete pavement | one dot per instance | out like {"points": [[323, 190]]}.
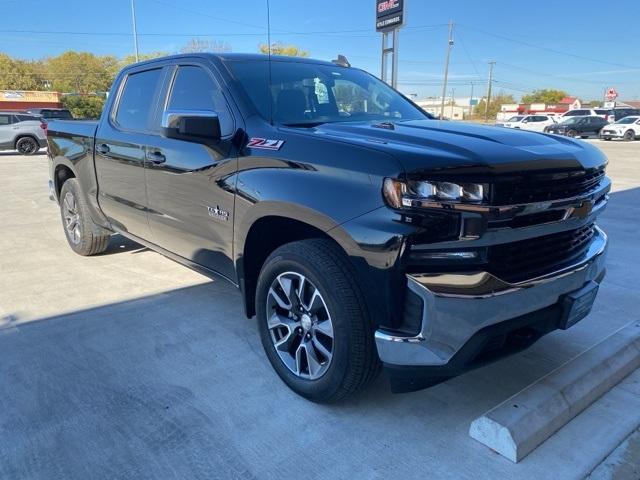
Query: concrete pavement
{"points": [[127, 365]]}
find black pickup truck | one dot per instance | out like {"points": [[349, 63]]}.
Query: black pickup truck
{"points": [[361, 232]]}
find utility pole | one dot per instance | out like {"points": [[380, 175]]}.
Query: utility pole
{"points": [[446, 68], [135, 32], [486, 105], [453, 100], [471, 100]]}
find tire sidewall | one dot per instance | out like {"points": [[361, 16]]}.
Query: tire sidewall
{"points": [[629, 135], [334, 376], [71, 186]]}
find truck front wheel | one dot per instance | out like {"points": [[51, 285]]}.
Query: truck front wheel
{"points": [[84, 237], [313, 321]]}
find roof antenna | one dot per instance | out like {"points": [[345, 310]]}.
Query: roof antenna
{"points": [[269, 60]]}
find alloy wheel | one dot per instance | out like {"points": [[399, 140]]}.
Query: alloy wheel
{"points": [[300, 325], [71, 217], [25, 147]]}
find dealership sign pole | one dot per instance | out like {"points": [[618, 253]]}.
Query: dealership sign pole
{"points": [[389, 19]]}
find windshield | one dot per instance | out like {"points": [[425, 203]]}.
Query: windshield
{"points": [[571, 120], [307, 94], [60, 114], [516, 118], [627, 120]]}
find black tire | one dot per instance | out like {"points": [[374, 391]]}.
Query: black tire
{"points": [[629, 135], [572, 133], [354, 363], [84, 236], [27, 146], [584, 136]]}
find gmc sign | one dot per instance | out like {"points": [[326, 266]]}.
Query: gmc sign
{"points": [[389, 14]]}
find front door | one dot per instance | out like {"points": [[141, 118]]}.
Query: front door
{"points": [[191, 198], [120, 149]]}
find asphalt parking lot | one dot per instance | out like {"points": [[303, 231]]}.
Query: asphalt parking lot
{"points": [[128, 365]]}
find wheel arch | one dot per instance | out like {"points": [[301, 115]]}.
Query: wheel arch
{"points": [[20, 136], [262, 237], [61, 174]]}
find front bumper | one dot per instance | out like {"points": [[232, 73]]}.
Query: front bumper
{"points": [[611, 134], [458, 306]]}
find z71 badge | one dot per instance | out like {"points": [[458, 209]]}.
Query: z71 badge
{"points": [[265, 143]]}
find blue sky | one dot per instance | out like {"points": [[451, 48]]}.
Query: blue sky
{"points": [[536, 44]]}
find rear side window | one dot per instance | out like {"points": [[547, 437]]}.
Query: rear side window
{"points": [[137, 100], [26, 118], [5, 119], [194, 89]]}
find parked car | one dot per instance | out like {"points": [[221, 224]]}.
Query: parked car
{"points": [[361, 231], [615, 114], [609, 114], [628, 129], [582, 112], [582, 127], [22, 132], [52, 113], [536, 123]]}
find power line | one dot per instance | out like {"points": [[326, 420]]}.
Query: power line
{"points": [[547, 49]]}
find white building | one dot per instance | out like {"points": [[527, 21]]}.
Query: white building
{"points": [[457, 108]]}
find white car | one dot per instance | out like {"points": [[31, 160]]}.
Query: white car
{"points": [[536, 123], [627, 128]]}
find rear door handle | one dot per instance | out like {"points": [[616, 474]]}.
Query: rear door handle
{"points": [[155, 156], [103, 148]]}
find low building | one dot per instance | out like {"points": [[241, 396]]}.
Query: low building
{"points": [[16, 100], [454, 108], [509, 110]]}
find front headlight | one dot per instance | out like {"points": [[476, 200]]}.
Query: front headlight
{"points": [[400, 194]]}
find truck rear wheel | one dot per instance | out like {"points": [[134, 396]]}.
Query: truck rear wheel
{"points": [[84, 237], [313, 321]]}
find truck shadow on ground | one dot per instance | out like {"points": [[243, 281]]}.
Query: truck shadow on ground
{"points": [[179, 381], [121, 244]]}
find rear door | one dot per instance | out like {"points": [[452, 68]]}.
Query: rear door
{"points": [[6, 130], [189, 185], [121, 141]]}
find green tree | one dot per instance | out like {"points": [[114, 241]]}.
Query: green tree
{"points": [[20, 75], [494, 105], [84, 106], [278, 48], [545, 96], [81, 72]]}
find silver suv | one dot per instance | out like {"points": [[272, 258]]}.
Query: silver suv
{"points": [[23, 132]]}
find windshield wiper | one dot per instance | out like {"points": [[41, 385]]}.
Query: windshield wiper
{"points": [[304, 124]]}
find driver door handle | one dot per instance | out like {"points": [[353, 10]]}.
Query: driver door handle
{"points": [[155, 156]]}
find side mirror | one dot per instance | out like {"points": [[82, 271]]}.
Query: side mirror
{"points": [[191, 125]]}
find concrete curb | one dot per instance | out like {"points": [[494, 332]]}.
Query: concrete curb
{"points": [[518, 425]]}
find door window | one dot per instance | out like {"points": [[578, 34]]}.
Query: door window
{"points": [[6, 119], [138, 100], [194, 89]]}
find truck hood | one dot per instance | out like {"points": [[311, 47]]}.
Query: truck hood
{"points": [[434, 146]]}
